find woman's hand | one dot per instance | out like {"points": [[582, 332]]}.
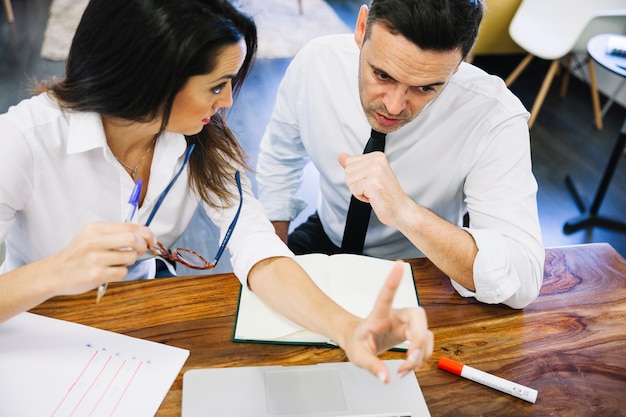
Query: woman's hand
{"points": [[283, 285], [386, 327], [100, 252]]}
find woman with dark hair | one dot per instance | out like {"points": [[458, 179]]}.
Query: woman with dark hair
{"points": [[140, 113]]}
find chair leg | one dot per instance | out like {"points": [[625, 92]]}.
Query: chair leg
{"points": [[300, 10], [611, 99], [541, 96], [565, 81], [595, 96], [518, 70], [9, 9]]}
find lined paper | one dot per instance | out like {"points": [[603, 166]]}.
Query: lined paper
{"points": [[55, 368]]}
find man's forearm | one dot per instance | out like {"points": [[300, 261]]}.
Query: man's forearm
{"points": [[449, 247], [282, 229]]}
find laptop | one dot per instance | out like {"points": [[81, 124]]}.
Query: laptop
{"points": [[322, 390]]}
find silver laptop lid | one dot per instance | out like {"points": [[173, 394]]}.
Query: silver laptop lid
{"points": [[323, 390]]}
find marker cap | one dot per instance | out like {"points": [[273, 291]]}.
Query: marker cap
{"points": [[450, 365]]}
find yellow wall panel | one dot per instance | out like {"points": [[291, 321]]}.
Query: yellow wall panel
{"points": [[493, 36]]}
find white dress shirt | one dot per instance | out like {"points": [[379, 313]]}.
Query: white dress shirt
{"points": [[58, 174], [468, 150]]}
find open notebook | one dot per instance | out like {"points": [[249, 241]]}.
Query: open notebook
{"points": [[322, 390], [353, 281]]}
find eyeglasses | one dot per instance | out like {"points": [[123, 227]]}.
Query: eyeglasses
{"points": [[187, 257]]}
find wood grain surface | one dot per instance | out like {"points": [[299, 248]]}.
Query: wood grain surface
{"points": [[569, 344]]}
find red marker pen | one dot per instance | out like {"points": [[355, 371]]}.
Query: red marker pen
{"points": [[492, 381]]}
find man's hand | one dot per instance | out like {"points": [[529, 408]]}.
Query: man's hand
{"points": [[386, 327], [370, 179], [451, 248]]}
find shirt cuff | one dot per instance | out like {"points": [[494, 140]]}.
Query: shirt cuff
{"points": [[283, 210], [494, 278], [258, 246]]}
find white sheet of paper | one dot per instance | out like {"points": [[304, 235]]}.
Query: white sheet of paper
{"points": [[352, 288], [55, 368]]}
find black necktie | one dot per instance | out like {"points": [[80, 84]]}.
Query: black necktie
{"points": [[359, 212]]}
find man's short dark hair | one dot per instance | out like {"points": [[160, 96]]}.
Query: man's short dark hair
{"points": [[439, 25]]}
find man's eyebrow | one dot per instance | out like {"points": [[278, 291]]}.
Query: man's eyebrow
{"points": [[435, 84]]}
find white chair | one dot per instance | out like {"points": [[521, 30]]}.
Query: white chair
{"points": [[551, 29], [9, 10], [613, 21]]}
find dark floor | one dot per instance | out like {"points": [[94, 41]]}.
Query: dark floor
{"points": [[563, 140]]}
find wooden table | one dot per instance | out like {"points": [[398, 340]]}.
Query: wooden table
{"points": [[569, 344]]}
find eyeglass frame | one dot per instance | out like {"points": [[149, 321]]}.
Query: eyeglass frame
{"points": [[163, 251]]}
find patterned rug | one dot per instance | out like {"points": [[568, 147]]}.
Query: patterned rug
{"points": [[282, 29]]}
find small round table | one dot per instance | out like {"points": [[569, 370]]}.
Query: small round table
{"points": [[597, 49]]}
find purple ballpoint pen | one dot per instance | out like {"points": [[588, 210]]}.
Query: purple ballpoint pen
{"points": [[133, 202]]}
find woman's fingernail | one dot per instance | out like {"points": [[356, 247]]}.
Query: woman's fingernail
{"points": [[381, 376], [415, 355]]}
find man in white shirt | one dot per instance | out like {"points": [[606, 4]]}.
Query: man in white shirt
{"points": [[457, 141]]}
